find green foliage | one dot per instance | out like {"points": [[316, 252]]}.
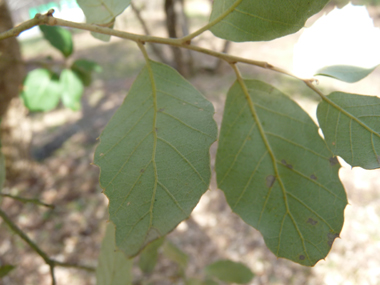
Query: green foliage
{"points": [[59, 38], [5, 269], [175, 254], [154, 156], [351, 128], [114, 268], [72, 89], [42, 90], [148, 257], [102, 12], [229, 271], [261, 20], [276, 172], [346, 73], [84, 68]]}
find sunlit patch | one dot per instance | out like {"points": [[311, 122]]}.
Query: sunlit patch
{"points": [[345, 36]]}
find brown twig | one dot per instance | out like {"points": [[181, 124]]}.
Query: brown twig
{"points": [[51, 262], [26, 200]]}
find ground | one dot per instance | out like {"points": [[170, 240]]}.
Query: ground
{"points": [[64, 176]]}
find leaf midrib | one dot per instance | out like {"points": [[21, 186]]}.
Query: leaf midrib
{"points": [[274, 162]]}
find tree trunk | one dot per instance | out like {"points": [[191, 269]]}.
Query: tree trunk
{"points": [[11, 68]]}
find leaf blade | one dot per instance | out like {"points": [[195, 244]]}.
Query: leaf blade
{"points": [[350, 125], [262, 21], [345, 73], [102, 12], [42, 90], [229, 271], [72, 89], [154, 156], [262, 165], [59, 38], [114, 268]]}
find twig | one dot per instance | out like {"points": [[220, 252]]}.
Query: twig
{"points": [[155, 49], [48, 19], [51, 262], [26, 200]]}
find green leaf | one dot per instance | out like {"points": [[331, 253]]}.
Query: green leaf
{"points": [[5, 269], [175, 254], [102, 12], [72, 89], [256, 20], [114, 268], [41, 90], [84, 69], [230, 271], [278, 174], [346, 73], [59, 38], [351, 126], [154, 156], [148, 257]]}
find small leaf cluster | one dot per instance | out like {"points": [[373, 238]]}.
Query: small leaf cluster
{"points": [[44, 88]]}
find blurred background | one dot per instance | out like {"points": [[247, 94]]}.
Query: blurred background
{"points": [[49, 154]]}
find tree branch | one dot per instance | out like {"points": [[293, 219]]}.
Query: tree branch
{"points": [[51, 262], [25, 200]]}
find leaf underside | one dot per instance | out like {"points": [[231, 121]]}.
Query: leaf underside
{"points": [[114, 268], [345, 73], [229, 271], [278, 174], [72, 89], [352, 128], [154, 156], [259, 20], [102, 12]]}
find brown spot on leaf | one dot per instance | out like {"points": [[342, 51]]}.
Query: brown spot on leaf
{"points": [[161, 110], [270, 179], [283, 161], [302, 257], [312, 222], [101, 154], [333, 143], [289, 166], [331, 237], [142, 170], [333, 161], [313, 177]]}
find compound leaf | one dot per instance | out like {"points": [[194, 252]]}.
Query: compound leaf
{"points": [[114, 268], [351, 126], [59, 38], [41, 91], [102, 12], [154, 156], [72, 89], [229, 271], [278, 174], [346, 73], [257, 20]]}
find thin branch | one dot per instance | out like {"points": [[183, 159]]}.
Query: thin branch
{"points": [[25, 200], [48, 19], [51, 262], [188, 38], [156, 51]]}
